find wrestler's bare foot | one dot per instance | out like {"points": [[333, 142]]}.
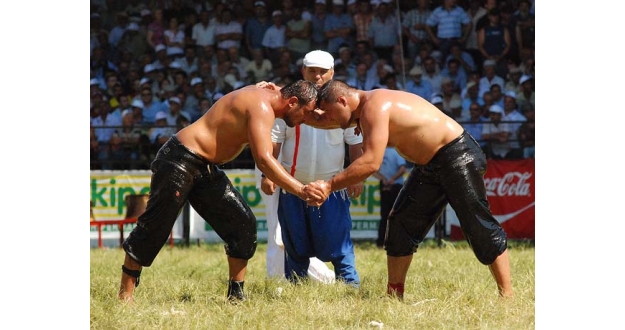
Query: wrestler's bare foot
{"points": [[500, 269], [131, 271], [126, 298], [506, 294]]}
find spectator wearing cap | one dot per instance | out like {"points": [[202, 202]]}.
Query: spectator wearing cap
{"points": [[338, 27], [496, 134], [515, 119], [96, 86], [137, 112], [146, 19], [320, 12], [320, 154], [489, 77], [437, 101], [382, 32], [161, 132], [256, 26], [512, 81], [194, 96], [162, 61], [382, 69], [413, 26], [125, 144], [452, 24], [416, 85], [471, 96], [175, 110], [154, 81], [450, 96], [526, 97], [174, 38], [298, 32], [274, 40], [346, 59], [156, 29], [228, 32]]}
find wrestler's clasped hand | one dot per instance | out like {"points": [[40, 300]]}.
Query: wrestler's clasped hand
{"points": [[316, 192]]}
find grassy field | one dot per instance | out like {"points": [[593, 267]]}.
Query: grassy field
{"points": [[185, 288]]}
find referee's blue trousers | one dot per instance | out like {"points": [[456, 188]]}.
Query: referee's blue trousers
{"points": [[322, 232]]}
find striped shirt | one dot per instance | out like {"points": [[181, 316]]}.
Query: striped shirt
{"points": [[448, 23], [413, 17], [362, 21]]}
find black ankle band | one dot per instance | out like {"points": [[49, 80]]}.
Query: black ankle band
{"points": [[134, 273]]}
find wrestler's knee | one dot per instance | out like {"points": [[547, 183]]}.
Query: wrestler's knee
{"points": [[399, 245], [141, 248], [243, 249], [487, 250]]}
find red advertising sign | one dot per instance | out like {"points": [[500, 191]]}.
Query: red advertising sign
{"points": [[510, 192]]}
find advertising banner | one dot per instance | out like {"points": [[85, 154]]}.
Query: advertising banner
{"points": [[510, 192], [108, 188], [509, 186]]}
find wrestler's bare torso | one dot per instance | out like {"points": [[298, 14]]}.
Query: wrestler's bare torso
{"points": [[415, 127], [223, 132]]}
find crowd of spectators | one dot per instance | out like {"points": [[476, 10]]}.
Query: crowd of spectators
{"points": [[158, 65]]}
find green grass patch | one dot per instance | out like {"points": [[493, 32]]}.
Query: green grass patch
{"points": [[185, 288]]}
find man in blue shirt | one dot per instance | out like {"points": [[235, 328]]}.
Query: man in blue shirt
{"points": [[452, 24], [338, 28], [417, 85], [256, 26]]}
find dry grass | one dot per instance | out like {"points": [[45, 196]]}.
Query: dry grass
{"points": [[185, 288]]}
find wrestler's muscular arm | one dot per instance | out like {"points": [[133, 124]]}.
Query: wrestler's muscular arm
{"points": [[260, 122], [374, 123]]}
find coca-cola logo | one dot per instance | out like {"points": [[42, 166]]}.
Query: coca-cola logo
{"points": [[511, 184]]}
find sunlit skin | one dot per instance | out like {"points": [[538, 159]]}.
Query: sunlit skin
{"points": [[403, 120], [242, 117], [319, 76]]}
